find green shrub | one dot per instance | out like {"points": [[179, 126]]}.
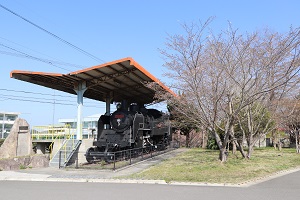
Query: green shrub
{"points": [[212, 143], [23, 167]]}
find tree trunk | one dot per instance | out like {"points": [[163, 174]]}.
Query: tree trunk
{"points": [[187, 140], [250, 151], [279, 145], [297, 142], [251, 144], [240, 148], [204, 140], [223, 155], [233, 147], [274, 144]]}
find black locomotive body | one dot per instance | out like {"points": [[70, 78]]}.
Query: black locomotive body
{"points": [[129, 128]]}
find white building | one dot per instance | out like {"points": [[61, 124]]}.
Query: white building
{"points": [[7, 120], [89, 127]]}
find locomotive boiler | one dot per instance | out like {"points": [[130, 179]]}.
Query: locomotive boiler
{"points": [[128, 128]]}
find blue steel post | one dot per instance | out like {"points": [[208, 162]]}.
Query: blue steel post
{"points": [[79, 89]]}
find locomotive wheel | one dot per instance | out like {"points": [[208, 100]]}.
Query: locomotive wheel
{"points": [[89, 158]]}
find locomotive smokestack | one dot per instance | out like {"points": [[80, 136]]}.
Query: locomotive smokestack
{"points": [[124, 105]]}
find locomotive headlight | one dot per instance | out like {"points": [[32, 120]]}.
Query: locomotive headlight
{"points": [[119, 121]]}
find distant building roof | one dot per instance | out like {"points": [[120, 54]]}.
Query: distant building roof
{"points": [[10, 113], [94, 117]]}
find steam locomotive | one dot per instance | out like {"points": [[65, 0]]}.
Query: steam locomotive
{"points": [[128, 128]]}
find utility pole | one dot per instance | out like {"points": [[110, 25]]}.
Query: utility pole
{"points": [[3, 125]]}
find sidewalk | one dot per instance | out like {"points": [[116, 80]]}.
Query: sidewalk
{"points": [[83, 175]]}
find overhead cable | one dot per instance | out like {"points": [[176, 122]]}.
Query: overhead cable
{"points": [[34, 58], [88, 104], [53, 61], [9, 90], [45, 102], [53, 35]]}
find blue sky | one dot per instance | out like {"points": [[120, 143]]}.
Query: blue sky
{"points": [[110, 30]]}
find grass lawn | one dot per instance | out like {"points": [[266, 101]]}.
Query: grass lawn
{"points": [[201, 165]]}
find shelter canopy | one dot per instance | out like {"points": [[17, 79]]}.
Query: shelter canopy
{"points": [[117, 80]]}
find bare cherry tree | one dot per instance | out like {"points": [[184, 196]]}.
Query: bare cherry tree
{"points": [[254, 122], [288, 118], [223, 74]]}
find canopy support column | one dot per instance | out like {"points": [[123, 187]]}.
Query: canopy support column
{"points": [[79, 89], [108, 99]]}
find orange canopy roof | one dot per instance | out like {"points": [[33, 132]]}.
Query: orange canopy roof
{"points": [[120, 80]]}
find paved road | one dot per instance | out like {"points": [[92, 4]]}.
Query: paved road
{"points": [[285, 187], [54, 184]]}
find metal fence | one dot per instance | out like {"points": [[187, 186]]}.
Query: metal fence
{"points": [[119, 159], [52, 132]]}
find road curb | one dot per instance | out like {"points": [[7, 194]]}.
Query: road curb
{"points": [[19, 176], [269, 177], [204, 184]]}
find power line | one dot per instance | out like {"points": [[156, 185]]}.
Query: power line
{"points": [[40, 59], [44, 102], [53, 35], [34, 58], [88, 104], [25, 97], [47, 102], [20, 55], [21, 91]]}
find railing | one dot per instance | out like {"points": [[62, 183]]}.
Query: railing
{"points": [[52, 132], [135, 155], [58, 153], [66, 154], [55, 133], [119, 159]]}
